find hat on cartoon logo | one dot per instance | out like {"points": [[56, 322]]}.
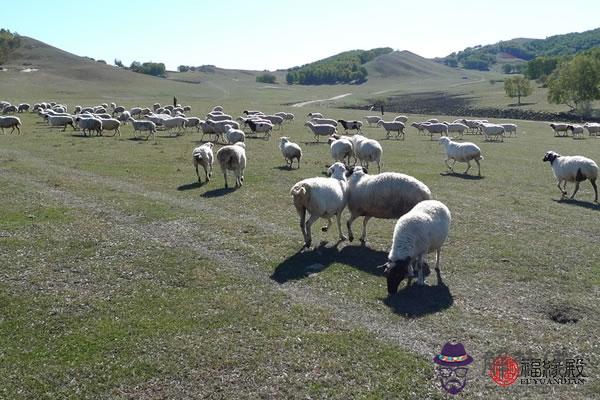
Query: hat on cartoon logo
{"points": [[452, 369]]}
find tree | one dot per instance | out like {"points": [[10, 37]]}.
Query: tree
{"points": [[266, 78], [576, 82], [517, 86], [183, 68], [119, 63]]}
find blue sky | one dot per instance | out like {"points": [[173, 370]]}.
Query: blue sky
{"points": [[264, 34]]}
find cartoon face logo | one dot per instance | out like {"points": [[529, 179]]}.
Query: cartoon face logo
{"points": [[452, 370]]}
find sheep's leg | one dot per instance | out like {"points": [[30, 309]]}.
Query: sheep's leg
{"points": [[349, 226], [205, 174], [363, 237], [225, 176], [338, 217], [198, 174], [420, 277], [575, 190], [448, 165], [468, 166], [478, 167], [309, 223], [593, 182], [437, 266], [562, 191], [326, 227], [378, 167], [302, 213]]}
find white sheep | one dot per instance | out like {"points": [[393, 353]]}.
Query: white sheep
{"points": [[111, 124], [593, 128], [320, 129], [492, 131], [290, 150], [234, 135], [324, 121], [174, 122], [89, 124], [372, 119], [509, 129], [124, 117], [23, 107], [392, 126], [285, 115], [219, 117], [558, 128], [61, 120], [436, 127], [135, 111], [572, 169], [208, 129], [314, 115], [192, 122], [10, 122], [144, 126], [367, 150], [433, 121], [9, 109], [118, 110], [322, 198], [420, 126], [203, 155], [275, 120], [461, 152], [233, 158], [456, 127], [422, 230], [576, 130], [219, 126], [386, 195], [340, 148], [401, 118]]}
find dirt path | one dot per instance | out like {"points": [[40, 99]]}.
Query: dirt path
{"points": [[305, 103]]}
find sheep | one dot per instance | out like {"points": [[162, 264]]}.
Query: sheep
{"points": [[234, 135], [219, 126], [572, 169], [89, 124], [558, 128], [372, 119], [169, 107], [592, 128], [492, 131], [340, 148], [260, 127], [98, 110], [233, 158], [217, 108], [124, 117], [433, 121], [192, 122], [322, 198], [104, 105], [461, 152], [320, 129], [473, 124], [367, 150], [436, 127], [118, 110], [219, 117], [324, 121], [422, 230], [61, 120], [86, 109], [23, 107], [156, 106], [314, 115], [509, 129], [290, 150], [102, 116], [208, 129], [144, 126], [285, 115], [387, 195], [203, 155], [273, 119], [10, 122], [392, 126], [252, 112], [9, 109], [175, 122], [135, 111], [401, 118], [576, 131], [111, 124], [456, 127], [352, 125], [420, 126]]}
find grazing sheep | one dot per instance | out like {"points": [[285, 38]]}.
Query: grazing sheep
{"points": [[135, 111], [324, 121], [509, 129], [558, 128], [192, 122], [593, 128], [290, 150], [118, 110], [314, 115], [367, 150], [9, 109], [250, 112], [234, 135], [436, 127], [372, 119], [23, 107], [322, 198], [275, 120], [144, 126], [203, 155], [260, 127], [461, 152], [392, 126], [456, 127], [219, 117], [111, 124], [401, 118], [174, 122], [61, 120], [208, 129], [320, 129], [572, 169], [340, 148], [576, 131], [233, 158], [352, 125], [10, 122], [89, 124], [492, 131], [422, 230], [386, 195]]}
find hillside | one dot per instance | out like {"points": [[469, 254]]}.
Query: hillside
{"points": [[404, 64]]}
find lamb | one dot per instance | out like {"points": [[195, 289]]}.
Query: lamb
{"points": [[492, 131], [558, 128], [456, 127], [509, 129], [290, 150], [401, 118], [144, 126], [23, 107], [260, 127], [392, 126], [324, 121], [352, 125], [322, 198], [386, 195], [10, 122], [340, 148], [436, 127], [372, 119], [111, 124], [592, 128], [572, 169], [233, 158], [234, 135], [461, 152], [422, 230], [314, 115], [203, 155], [61, 120], [321, 129], [89, 124], [576, 131]]}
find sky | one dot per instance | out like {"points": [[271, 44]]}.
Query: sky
{"points": [[269, 35]]}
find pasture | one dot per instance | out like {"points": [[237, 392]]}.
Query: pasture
{"points": [[124, 278]]}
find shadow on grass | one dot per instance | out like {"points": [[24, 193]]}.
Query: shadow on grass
{"points": [[218, 192], [82, 136], [416, 301], [313, 143], [305, 262], [189, 186], [584, 204], [462, 176], [284, 168]]}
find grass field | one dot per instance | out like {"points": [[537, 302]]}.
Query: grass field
{"points": [[123, 278]]}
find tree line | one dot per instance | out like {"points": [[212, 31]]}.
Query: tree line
{"points": [[148, 68]]}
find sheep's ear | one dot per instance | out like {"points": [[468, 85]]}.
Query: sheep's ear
{"points": [[365, 170], [349, 171]]}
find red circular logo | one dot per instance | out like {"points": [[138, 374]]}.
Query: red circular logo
{"points": [[504, 370]]}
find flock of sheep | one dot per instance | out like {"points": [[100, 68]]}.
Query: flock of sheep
{"points": [[423, 223]]}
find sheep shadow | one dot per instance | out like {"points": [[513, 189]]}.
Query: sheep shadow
{"points": [[462, 176], [305, 262], [284, 168], [218, 192], [416, 301], [189, 186], [584, 204], [315, 143], [82, 136]]}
